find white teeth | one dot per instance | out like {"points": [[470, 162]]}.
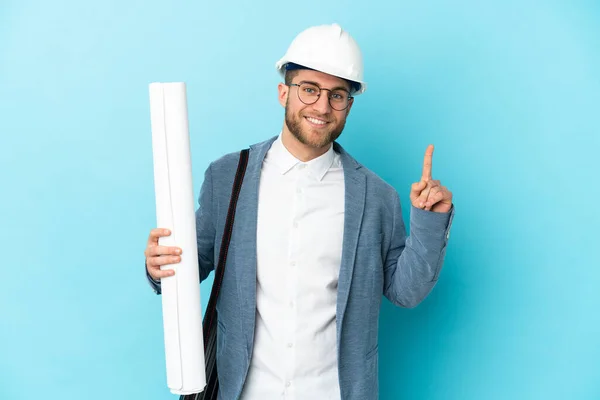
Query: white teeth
{"points": [[316, 121]]}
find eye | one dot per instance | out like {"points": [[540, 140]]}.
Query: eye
{"points": [[339, 96], [309, 89]]}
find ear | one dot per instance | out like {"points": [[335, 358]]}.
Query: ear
{"points": [[283, 90]]}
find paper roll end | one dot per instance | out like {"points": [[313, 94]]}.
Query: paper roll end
{"points": [[163, 84], [184, 392]]}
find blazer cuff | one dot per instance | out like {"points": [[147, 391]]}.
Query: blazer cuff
{"points": [[431, 223], [154, 284]]}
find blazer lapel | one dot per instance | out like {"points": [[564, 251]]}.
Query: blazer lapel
{"points": [[246, 223], [354, 197]]}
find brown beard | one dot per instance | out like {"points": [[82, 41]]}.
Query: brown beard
{"points": [[293, 123]]}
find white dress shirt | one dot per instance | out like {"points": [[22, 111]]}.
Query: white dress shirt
{"points": [[299, 249]]}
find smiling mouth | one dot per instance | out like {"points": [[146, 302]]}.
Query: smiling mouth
{"points": [[316, 121]]}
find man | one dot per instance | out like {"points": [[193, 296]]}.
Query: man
{"points": [[318, 239]]}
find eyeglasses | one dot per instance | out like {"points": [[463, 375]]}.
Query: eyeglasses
{"points": [[309, 93]]}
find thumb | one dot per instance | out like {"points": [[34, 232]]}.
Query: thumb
{"points": [[417, 188]]}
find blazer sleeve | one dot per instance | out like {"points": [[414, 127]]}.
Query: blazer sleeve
{"points": [[205, 231], [413, 263]]}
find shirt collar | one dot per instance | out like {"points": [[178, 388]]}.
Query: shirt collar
{"points": [[285, 161]]}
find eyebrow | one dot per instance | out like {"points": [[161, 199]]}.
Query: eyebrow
{"points": [[319, 86]]}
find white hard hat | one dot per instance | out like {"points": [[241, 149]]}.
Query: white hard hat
{"points": [[328, 49]]}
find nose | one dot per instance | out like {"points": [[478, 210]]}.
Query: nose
{"points": [[322, 104]]}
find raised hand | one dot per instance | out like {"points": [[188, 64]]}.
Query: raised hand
{"points": [[429, 194]]}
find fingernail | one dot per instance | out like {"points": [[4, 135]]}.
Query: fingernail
{"points": [[421, 204], [178, 251], [166, 231]]}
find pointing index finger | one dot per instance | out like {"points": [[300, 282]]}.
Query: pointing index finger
{"points": [[427, 161]]}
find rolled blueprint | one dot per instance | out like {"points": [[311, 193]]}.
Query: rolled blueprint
{"points": [[182, 319]]}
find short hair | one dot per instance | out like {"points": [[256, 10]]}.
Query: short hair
{"points": [[290, 75]]}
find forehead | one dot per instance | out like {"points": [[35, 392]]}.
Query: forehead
{"points": [[322, 79]]}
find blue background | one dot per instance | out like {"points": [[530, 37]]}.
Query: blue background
{"points": [[509, 92]]}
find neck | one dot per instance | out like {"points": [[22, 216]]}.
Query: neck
{"points": [[300, 150]]}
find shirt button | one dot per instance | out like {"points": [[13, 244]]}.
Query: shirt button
{"points": [[290, 345], [299, 191], [295, 224], [291, 304], [302, 166], [293, 263], [288, 384]]}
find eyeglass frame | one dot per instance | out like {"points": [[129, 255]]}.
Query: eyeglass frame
{"points": [[350, 97]]}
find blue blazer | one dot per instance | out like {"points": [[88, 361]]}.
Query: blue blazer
{"points": [[378, 258]]}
